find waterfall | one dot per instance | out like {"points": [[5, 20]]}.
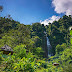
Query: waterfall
{"points": [[49, 47]]}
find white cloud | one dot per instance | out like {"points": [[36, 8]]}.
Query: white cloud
{"points": [[51, 19], [63, 6]]}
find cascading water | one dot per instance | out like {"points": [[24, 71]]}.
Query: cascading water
{"points": [[48, 45]]}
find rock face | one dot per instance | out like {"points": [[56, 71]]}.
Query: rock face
{"points": [[44, 46], [6, 50]]}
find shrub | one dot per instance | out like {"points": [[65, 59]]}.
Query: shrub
{"points": [[20, 51], [60, 48]]}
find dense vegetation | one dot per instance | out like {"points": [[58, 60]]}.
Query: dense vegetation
{"points": [[58, 31], [22, 37], [71, 36]]}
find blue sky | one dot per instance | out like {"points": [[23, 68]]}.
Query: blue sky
{"points": [[29, 11]]}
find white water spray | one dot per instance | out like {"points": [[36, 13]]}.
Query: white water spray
{"points": [[48, 45]]}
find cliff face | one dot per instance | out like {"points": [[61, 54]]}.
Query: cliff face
{"points": [[44, 46]]}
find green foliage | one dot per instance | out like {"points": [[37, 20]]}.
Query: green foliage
{"points": [[7, 40], [64, 59], [37, 41], [60, 48], [27, 64], [67, 68], [22, 37], [38, 30], [67, 55], [71, 36], [58, 32], [13, 33], [38, 51], [1, 58], [20, 51], [37, 35]]}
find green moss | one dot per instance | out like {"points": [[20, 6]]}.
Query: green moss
{"points": [[71, 36]]}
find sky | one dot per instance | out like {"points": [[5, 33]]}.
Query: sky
{"points": [[31, 11]]}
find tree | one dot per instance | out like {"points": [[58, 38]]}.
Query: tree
{"points": [[37, 30], [60, 48]]}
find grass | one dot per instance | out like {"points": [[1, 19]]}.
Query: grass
{"points": [[71, 36]]}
